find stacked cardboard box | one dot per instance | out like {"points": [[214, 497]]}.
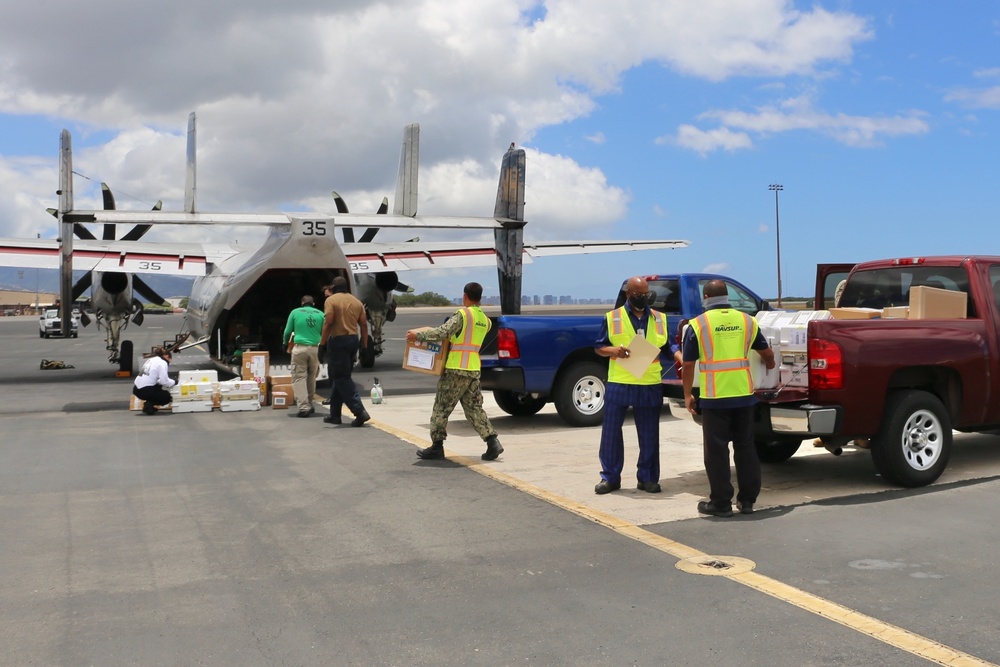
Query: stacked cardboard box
{"points": [[257, 367], [282, 396]]}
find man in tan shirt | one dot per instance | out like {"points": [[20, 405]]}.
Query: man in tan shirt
{"points": [[343, 321]]}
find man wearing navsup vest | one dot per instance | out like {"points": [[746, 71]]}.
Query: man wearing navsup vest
{"points": [[466, 330], [720, 340], [623, 390]]}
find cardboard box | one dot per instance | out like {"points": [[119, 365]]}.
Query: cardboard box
{"points": [[282, 397], [135, 404], [896, 313], [256, 366], [932, 303], [425, 357], [855, 313], [282, 384]]}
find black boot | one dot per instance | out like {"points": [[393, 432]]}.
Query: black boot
{"points": [[435, 451], [493, 448], [360, 420]]}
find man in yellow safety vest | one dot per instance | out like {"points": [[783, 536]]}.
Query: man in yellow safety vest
{"points": [[624, 390], [720, 340], [466, 330]]}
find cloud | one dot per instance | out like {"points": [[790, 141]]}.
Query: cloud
{"points": [[789, 115], [706, 141], [294, 101], [595, 138]]}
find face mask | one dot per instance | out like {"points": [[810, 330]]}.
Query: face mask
{"points": [[638, 302]]}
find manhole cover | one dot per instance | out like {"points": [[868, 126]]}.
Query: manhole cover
{"points": [[715, 565]]}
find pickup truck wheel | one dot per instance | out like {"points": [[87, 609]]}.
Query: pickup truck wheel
{"points": [[776, 451], [914, 443], [518, 404], [579, 394]]}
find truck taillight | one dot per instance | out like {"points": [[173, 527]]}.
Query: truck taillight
{"points": [[507, 344], [826, 365]]}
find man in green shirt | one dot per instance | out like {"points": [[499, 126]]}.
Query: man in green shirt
{"points": [[304, 328]]}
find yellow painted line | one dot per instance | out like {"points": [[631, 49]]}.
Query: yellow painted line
{"points": [[867, 625]]}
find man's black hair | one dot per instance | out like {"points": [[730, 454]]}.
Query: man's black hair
{"points": [[474, 291]]}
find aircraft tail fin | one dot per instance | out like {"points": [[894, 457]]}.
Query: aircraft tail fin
{"points": [[509, 212], [190, 185], [405, 202]]}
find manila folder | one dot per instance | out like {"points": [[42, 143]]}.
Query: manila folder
{"points": [[642, 354]]}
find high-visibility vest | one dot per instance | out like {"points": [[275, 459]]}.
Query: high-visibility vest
{"points": [[621, 332], [464, 351], [724, 339]]}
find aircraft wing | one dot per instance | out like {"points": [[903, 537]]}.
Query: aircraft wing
{"points": [[178, 259], [375, 257]]}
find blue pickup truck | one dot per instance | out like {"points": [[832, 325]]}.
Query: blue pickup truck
{"points": [[531, 360]]}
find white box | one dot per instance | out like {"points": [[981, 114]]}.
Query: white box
{"points": [[191, 377], [193, 391], [793, 370], [245, 405], [191, 406], [794, 334], [239, 395]]}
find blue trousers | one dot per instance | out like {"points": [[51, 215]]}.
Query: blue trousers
{"points": [[340, 352], [647, 427]]}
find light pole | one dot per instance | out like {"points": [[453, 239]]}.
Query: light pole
{"points": [[777, 187], [37, 236]]}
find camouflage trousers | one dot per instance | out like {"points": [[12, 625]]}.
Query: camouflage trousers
{"points": [[453, 388]]}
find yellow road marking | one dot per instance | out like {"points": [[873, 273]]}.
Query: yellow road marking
{"points": [[867, 625]]}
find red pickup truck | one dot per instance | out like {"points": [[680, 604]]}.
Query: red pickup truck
{"points": [[896, 385]]}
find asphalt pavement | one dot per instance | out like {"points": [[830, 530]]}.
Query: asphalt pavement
{"points": [[259, 538]]}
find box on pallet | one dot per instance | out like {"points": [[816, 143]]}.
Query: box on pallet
{"points": [[427, 356]]}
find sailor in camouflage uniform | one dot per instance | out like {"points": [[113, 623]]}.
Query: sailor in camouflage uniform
{"points": [[466, 330]]}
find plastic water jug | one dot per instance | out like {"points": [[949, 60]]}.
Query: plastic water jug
{"points": [[376, 392]]}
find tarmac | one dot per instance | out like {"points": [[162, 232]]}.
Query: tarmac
{"points": [[261, 539]]}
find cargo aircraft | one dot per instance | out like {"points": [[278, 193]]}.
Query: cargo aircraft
{"points": [[241, 296]]}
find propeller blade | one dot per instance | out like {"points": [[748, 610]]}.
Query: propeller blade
{"points": [[384, 208], [136, 232], [109, 205], [348, 235], [54, 212], [83, 233], [82, 285], [137, 311], [341, 204], [369, 235], [403, 287], [139, 231], [140, 286]]}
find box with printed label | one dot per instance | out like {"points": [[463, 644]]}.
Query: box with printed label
{"points": [[188, 377], [933, 303], [794, 334], [256, 365], [425, 357], [282, 397], [793, 369], [193, 391], [239, 396]]}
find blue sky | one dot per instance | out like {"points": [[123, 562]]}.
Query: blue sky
{"points": [[644, 119]]}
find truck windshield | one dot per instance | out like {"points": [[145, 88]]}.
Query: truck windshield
{"points": [[883, 288]]}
